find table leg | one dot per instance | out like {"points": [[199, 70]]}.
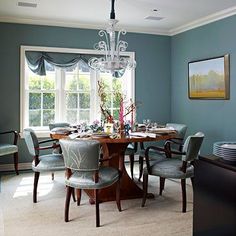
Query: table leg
{"points": [[129, 189]]}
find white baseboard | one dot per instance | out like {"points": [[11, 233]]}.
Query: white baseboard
{"points": [[21, 166]]}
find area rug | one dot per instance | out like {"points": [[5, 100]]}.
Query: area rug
{"points": [[19, 216]]}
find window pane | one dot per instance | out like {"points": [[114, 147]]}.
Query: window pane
{"points": [[48, 117], [116, 101], [84, 100], [84, 82], [71, 116], [71, 82], [106, 79], [49, 81], [116, 84], [34, 81], [35, 118], [108, 100], [48, 100], [84, 115], [116, 114], [34, 101], [72, 100]]}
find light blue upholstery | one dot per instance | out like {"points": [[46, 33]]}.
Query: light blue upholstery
{"points": [[41, 163], [85, 180], [84, 172], [170, 168], [83, 158], [60, 124], [6, 149], [11, 147], [180, 128], [175, 168], [50, 162]]}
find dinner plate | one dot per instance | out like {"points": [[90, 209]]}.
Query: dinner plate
{"points": [[225, 150]]}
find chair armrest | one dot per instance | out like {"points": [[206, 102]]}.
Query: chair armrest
{"points": [[176, 141], [47, 141], [53, 146], [16, 135]]}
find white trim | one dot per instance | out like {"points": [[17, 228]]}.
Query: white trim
{"points": [[191, 25], [21, 166], [203, 21]]}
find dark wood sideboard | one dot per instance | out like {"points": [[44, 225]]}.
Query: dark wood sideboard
{"points": [[214, 209]]}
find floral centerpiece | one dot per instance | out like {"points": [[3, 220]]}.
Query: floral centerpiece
{"points": [[126, 107]]}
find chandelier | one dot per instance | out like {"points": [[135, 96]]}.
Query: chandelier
{"points": [[111, 61]]}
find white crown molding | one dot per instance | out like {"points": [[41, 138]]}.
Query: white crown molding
{"points": [[203, 21], [30, 21], [194, 24]]}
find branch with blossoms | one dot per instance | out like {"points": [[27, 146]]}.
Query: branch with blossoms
{"points": [[124, 109]]}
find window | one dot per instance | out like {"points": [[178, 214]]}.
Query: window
{"points": [[67, 94]]}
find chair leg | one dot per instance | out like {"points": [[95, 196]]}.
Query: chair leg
{"points": [[67, 203], [36, 180], [131, 159], [118, 195], [183, 185], [73, 195], [192, 181], [162, 185], [53, 176], [140, 167], [97, 208], [145, 188], [16, 162], [78, 193]]}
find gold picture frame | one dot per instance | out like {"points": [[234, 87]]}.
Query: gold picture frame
{"points": [[209, 78]]}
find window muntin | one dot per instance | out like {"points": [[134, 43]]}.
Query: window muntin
{"points": [[58, 88]]}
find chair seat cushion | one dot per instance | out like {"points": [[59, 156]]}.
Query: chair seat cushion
{"points": [[51, 162], [85, 180], [153, 154], [6, 149], [170, 168]]}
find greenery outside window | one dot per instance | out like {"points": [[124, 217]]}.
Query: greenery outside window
{"points": [[67, 94]]}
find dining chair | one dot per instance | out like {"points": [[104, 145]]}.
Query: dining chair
{"points": [[41, 163], [156, 155], [58, 124], [174, 168], [10, 148], [84, 172], [130, 151]]}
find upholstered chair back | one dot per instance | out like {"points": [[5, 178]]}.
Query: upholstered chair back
{"points": [[180, 128], [31, 141], [61, 124], [192, 146], [81, 155]]}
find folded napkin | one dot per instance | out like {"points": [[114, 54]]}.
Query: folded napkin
{"points": [[142, 134]]}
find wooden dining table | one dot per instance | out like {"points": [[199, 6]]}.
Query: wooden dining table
{"points": [[116, 147]]}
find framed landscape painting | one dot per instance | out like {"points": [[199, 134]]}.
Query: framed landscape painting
{"points": [[209, 78]]}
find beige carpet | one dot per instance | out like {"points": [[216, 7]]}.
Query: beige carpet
{"points": [[19, 216]]}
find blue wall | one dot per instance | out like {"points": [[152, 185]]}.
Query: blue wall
{"points": [[216, 118], [152, 72]]}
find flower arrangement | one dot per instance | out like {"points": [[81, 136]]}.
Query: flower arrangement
{"points": [[126, 107]]}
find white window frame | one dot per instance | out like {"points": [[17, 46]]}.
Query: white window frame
{"points": [[23, 100]]}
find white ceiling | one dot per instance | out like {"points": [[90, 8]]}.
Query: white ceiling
{"points": [[178, 15]]}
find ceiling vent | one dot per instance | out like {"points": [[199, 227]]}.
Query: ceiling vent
{"points": [[153, 18], [27, 4]]}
